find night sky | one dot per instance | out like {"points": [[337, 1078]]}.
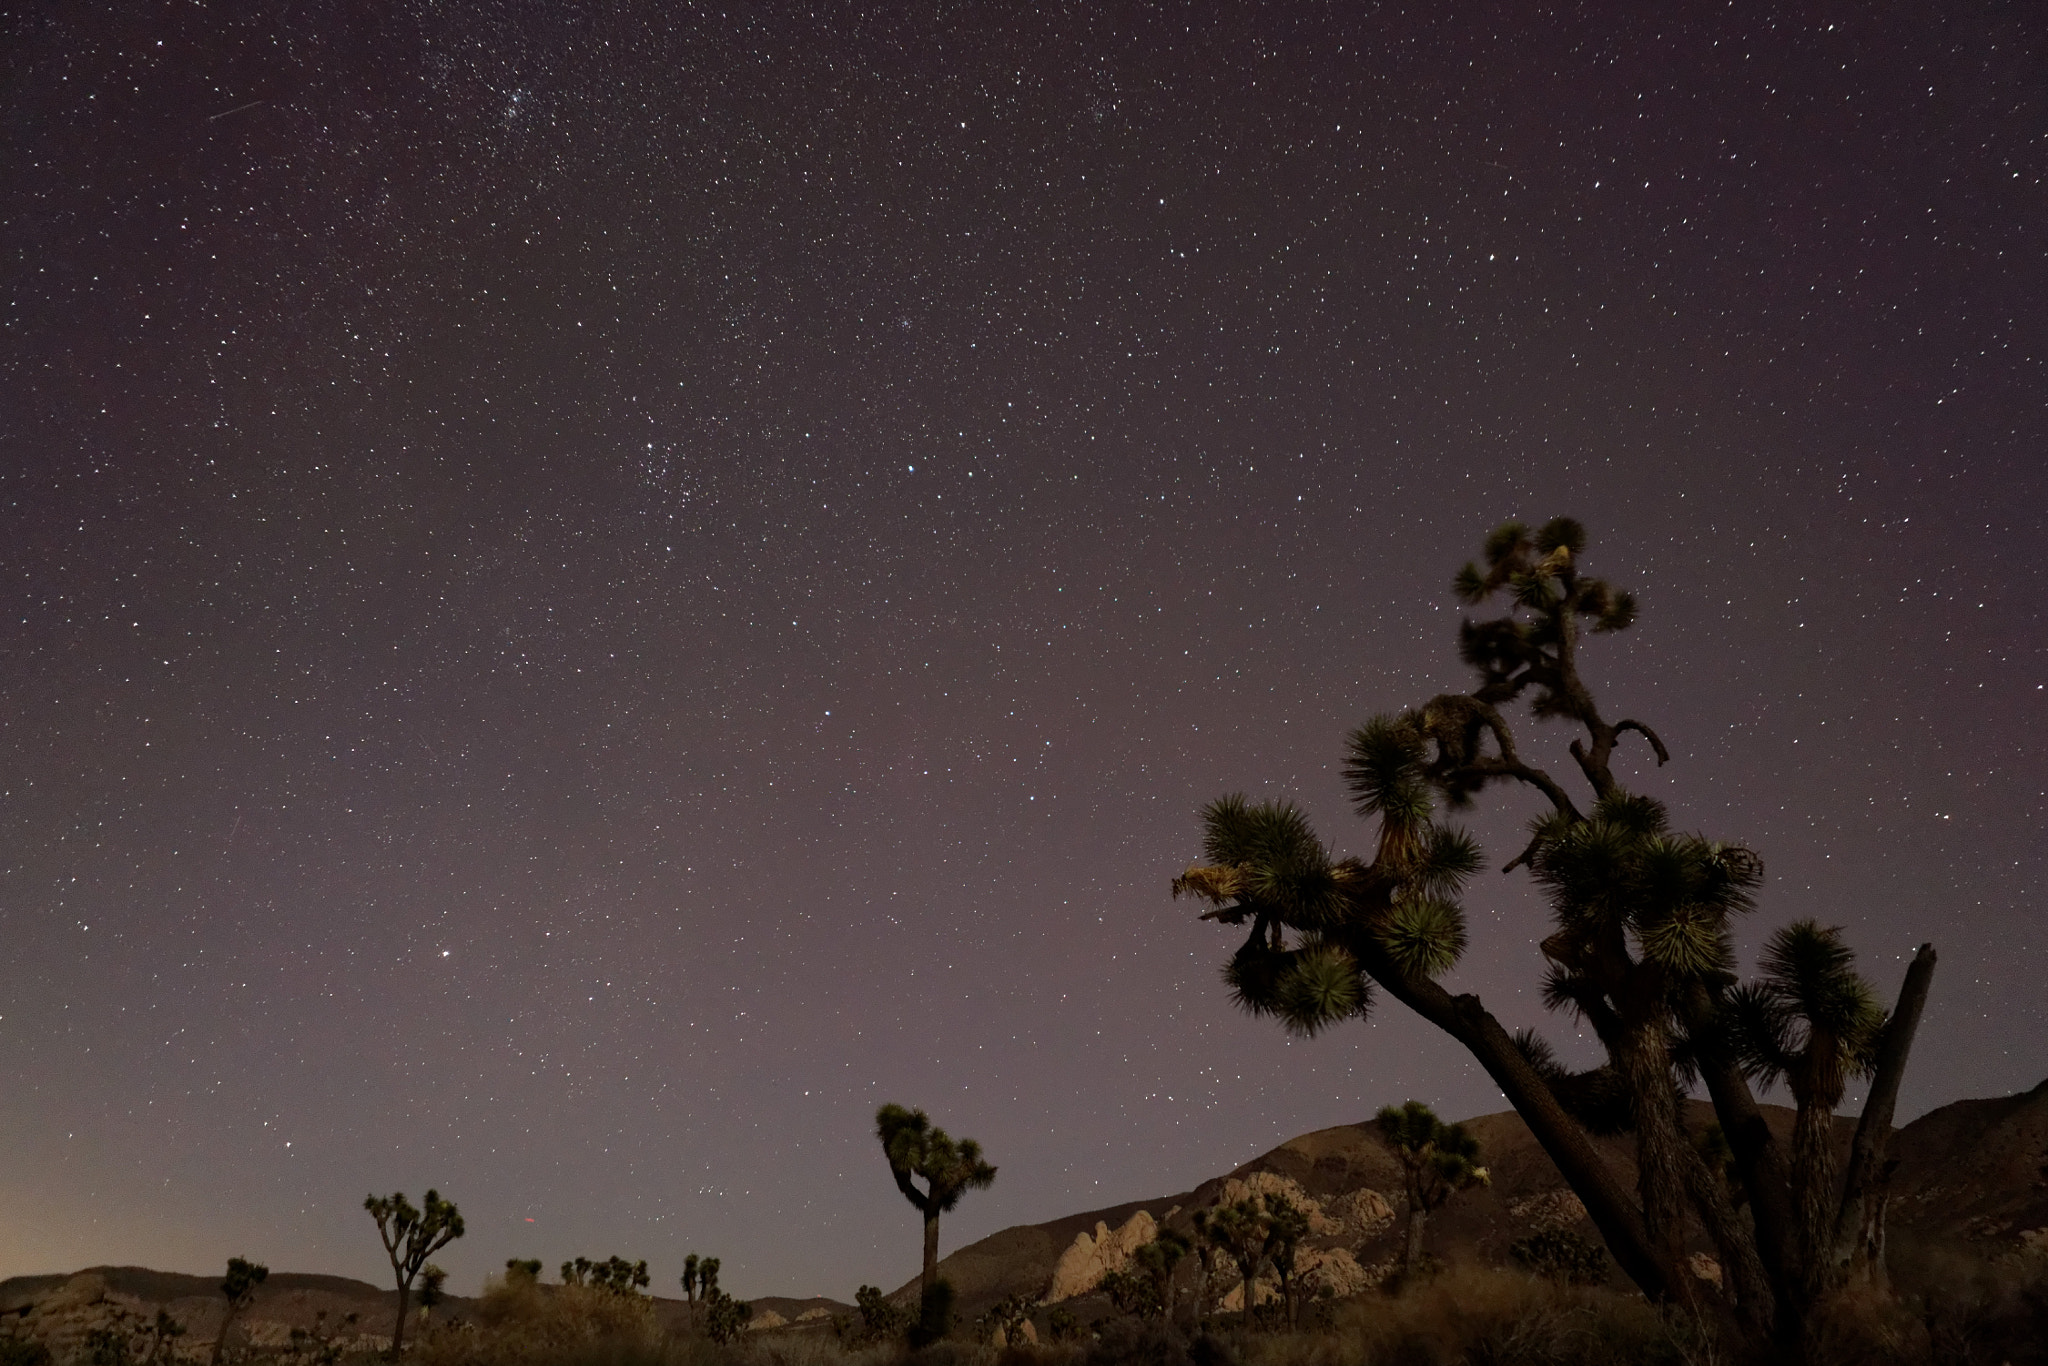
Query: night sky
{"points": [[590, 595]]}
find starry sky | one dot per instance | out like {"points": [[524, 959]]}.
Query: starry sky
{"points": [[591, 592]]}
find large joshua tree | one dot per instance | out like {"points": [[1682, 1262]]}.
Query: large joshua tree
{"points": [[919, 1150], [1640, 949]]}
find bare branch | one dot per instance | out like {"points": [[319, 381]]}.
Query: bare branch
{"points": [[1663, 754]]}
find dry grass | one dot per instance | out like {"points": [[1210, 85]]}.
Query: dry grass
{"points": [[1966, 1313], [1490, 1317]]}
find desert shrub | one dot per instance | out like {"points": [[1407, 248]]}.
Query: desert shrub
{"points": [[518, 1321], [1562, 1255], [877, 1320], [1137, 1342], [724, 1318], [1948, 1305], [1488, 1318], [1007, 1317], [1062, 1326], [1132, 1292], [23, 1351]]}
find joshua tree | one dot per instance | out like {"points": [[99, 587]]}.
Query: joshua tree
{"points": [[1238, 1231], [517, 1269], [410, 1236], [616, 1275], [1813, 1023], [432, 1281], [1156, 1262], [725, 1318], [162, 1337], [1286, 1226], [1437, 1161], [1641, 949], [919, 1150], [240, 1289], [690, 1283]]}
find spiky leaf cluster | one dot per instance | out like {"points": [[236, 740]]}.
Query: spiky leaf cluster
{"points": [[1550, 597], [917, 1148], [1811, 1019], [1265, 865], [1623, 876]]}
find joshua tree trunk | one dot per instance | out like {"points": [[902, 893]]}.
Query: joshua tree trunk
{"points": [[1859, 1225], [398, 1331], [930, 1271], [1563, 1138], [1643, 1057], [1411, 1252], [1813, 1178]]}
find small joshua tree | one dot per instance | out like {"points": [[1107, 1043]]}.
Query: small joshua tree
{"points": [[432, 1281], [1437, 1161], [162, 1338], [1238, 1231], [918, 1150], [240, 1288], [1156, 1261], [725, 1318], [690, 1283], [410, 1236], [517, 1269], [879, 1319]]}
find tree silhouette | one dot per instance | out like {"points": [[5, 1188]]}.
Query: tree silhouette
{"points": [[1437, 1161], [1814, 1024], [240, 1288], [1641, 947], [919, 1150], [410, 1236], [1286, 1226], [1156, 1261], [1238, 1231], [615, 1275], [433, 1281]]}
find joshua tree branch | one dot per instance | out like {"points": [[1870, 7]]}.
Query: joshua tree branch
{"points": [[1607, 1201], [1663, 754]]}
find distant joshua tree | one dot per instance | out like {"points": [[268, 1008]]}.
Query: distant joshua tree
{"points": [[919, 1150], [240, 1289], [518, 1269], [1286, 1226], [616, 1275], [1238, 1231], [1437, 1161], [410, 1236], [1156, 1261]]}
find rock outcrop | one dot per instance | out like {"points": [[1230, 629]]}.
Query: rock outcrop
{"points": [[1090, 1257]]}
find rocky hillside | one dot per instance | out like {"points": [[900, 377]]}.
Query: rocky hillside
{"points": [[1973, 1174]]}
